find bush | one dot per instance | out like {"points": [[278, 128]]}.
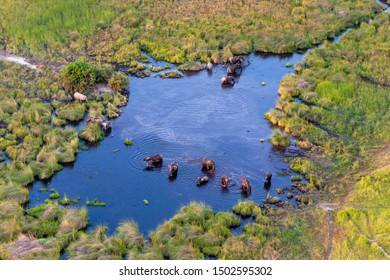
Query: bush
{"points": [[78, 76], [118, 81]]}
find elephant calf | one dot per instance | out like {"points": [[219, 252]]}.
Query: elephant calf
{"points": [[154, 161], [173, 168], [202, 180], [267, 182], [245, 185], [208, 166], [227, 81]]}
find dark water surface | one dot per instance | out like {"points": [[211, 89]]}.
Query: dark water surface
{"points": [[185, 120]]}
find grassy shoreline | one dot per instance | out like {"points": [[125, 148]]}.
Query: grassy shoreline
{"points": [[341, 124]]}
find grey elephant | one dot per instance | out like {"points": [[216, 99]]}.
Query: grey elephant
{"points": [[173, 168], [227, 81], [154, 161]]}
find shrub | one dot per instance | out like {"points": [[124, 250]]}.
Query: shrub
{"points": [[78, 76], [118, 81]]}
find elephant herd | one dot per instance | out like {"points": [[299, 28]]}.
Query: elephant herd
{"points": [[236, 64], [208, 167]]}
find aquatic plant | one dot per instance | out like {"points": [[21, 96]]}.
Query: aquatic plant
{"points": [[128, 142], [96, 202], [54, 195], [171, 75], [192, 66], [66, 201]]}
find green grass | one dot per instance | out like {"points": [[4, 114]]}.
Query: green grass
{"points": [[128, 142], [92, 133], [345, 94], [280, 140], [96, 202], [362, 227], [44, 25], [67, 201], [72, 112], [117, 32]]}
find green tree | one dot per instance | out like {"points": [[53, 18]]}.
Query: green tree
{"points": [[79, 76]]}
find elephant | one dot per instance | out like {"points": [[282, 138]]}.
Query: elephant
{"points": [[227, 81], [154, 161], [267, 182], [173, 168], [208, 165], [234, 69], [225, 181], [106, 126], [245, 185], [98, 120], [202, 180], [237, 59], [209, 66], [80, 97]]}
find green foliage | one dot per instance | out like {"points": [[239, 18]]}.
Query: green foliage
{"points": [[118, 81], [363, 225], [246, 208], [67, 201], [92, 133], [128, 142], [96, 202], [280, 140], [72, 112], [191, 66], [78, 76], [128, 232]]}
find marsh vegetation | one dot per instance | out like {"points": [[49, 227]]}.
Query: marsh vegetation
{"points": [[343, 92]]}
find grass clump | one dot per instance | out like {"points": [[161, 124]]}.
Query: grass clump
{"points": [[72, 112], [96, 202], [296, 178], [54, 194], [171, 75], [245, 208], [192, 66], [67, 201], [280, 140], [128, 142], [129, 233], [92, 133]]}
